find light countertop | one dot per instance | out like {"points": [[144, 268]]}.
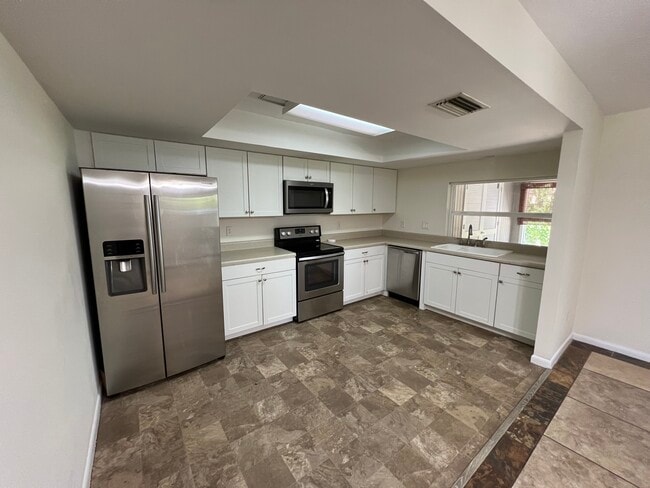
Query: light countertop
{"points": [[517, 259], [250, 255]]}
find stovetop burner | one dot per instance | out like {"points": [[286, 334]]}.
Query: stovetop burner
{"points": [[304, 241]]}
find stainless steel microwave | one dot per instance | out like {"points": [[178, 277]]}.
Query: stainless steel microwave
{"points": [[307, 197]]}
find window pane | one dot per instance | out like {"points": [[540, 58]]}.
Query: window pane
{"points": [[535, 232], [537, 197]]}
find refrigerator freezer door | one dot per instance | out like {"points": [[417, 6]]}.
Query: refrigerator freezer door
{"points": [[117, 216], [186, 217]]}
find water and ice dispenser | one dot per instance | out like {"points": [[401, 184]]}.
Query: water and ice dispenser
{"points": [[125, 267]]}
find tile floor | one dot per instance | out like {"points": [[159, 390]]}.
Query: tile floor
{"points": [[600, 436], [379, 394], [588, 425]]}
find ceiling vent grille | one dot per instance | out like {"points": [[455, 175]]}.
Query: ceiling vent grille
{"points": [[459, 105], [274, 100]]}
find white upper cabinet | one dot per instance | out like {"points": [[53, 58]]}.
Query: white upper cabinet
{"points": [[119, 152], [341, 176], [298, 169], [384, 190], [318, 170], [294, 169], [231, 170], [361, 190], [265, 185], [173, 157]]}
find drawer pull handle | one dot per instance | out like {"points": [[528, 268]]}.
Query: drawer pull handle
{"points": [[501, 282], [364, 252], [523, 274]]}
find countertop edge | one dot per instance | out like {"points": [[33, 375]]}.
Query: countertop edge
{"points": [[520, 261]]}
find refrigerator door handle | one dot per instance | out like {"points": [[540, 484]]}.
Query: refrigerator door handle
{"points": [[161, 258], [152, 247]]}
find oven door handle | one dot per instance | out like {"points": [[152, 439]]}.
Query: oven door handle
{"points": [[327, 256], [327, 198]]}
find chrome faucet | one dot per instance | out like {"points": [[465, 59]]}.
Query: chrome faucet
{"points": [[481, 243], [469, 235]]}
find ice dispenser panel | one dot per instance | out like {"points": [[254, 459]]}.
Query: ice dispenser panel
{"points": [[125, 267]]}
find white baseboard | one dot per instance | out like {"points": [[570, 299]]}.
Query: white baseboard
{"points": [[549, 363], [633, 353], [88, 471]]}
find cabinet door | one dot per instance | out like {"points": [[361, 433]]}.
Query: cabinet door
{"points": [[518, 307], [374, 279], [172, 157], [362, 190], [318, 170], [353, 277], [230, 169], [384, 190], [294, 169], [118, 152], [341, 176], [476, 295], [265, 185], [440, 286], [279, 297], [242, 305]]}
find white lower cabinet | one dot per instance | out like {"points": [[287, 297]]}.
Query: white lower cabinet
{"points": [[504, 296], [353, 274], [476, 296], [264, 297], [279, 304], [364, 273], [518, 299], [440, 286], [242, 305], [462, 286]]}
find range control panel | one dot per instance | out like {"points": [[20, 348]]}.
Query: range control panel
{"points": [[284, 233]]}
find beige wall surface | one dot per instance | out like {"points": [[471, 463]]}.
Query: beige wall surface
{"points": [[614, 300], [422, 192], [48, 381]]}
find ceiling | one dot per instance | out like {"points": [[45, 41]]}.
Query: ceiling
{"points": [[606, 43], [172, 70]]}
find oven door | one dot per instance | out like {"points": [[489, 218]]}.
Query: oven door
{"points": [[319, 275], [303, 197]]}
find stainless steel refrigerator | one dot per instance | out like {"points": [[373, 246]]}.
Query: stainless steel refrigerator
{"points": [[155, 252]]}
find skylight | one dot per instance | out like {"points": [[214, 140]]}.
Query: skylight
{"points": [[337, 120]]}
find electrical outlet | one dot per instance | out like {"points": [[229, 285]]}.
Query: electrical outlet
{"points": [[402, 225], [228, 230], [425, 225]]}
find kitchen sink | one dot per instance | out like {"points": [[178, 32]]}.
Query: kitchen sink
{"points": [[474, 251]]}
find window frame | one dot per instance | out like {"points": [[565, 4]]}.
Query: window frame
{"points": [[452, 200]]}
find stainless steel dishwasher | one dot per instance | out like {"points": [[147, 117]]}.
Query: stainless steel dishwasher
{"points": [[403, 275]]}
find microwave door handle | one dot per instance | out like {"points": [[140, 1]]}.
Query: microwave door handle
{"points": [[327, 197]]}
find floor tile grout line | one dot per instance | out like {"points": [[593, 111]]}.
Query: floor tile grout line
{"points": [[480, 457], [616, 379], [603, 412], [585, 458]]}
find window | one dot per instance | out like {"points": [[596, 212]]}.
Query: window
{"points": [[506, 211]]}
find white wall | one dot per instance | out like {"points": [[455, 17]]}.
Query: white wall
{"points": [[422, 192], [261, 228], [614, 300], [48, 381]]}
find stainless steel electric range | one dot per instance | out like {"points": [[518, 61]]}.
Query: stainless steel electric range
{"points": [[319, 270]]}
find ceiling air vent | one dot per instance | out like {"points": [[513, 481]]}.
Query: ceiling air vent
{"points": [[274, 100], [459, 105]]}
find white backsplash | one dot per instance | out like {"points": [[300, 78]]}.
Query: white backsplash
{"points": [[254, 229]]}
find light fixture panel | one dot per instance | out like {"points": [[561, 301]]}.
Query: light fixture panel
{"points": [[336, 120]]}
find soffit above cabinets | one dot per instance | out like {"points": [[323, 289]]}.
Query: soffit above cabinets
{"points": [[172, 70]]}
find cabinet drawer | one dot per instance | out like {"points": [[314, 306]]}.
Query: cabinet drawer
{"points": [[260, 267], [522, 273], [364, 252], [463, 263]]}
